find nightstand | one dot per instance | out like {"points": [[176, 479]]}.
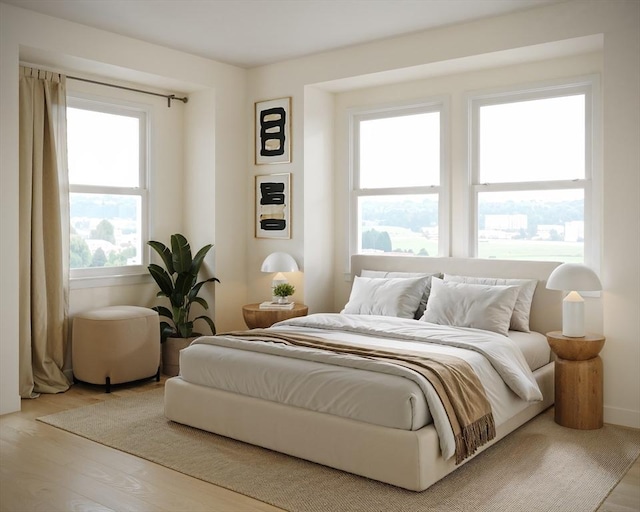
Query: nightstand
{"points": [[256, 318], [578, 380]]}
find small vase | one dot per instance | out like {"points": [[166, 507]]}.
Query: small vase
{"points": [[283, 300]]}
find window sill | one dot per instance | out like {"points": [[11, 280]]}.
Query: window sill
{"points": [[114, 280]]}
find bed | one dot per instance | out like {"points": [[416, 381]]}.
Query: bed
{"points": [[368, 416]]}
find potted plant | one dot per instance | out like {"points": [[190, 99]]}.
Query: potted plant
{"points": [[283, 291], [178, 282]]}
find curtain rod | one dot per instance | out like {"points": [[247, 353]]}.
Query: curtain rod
{"points": [[168, 96]]}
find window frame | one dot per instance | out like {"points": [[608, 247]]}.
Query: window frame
{"points": [[105, 276], [590, 184], [356, 115]]}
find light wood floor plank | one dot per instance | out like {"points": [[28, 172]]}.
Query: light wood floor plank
{"points": [[43, 468], [626, 495], [137, 477], [24, 489], [112, 495], [90, 476]]}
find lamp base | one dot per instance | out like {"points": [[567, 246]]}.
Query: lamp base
{"points": [[573, 316]]}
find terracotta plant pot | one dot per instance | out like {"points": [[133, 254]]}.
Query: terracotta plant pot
{"points": [[171, 354]]}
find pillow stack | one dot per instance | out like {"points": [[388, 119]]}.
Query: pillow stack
{"points": [[491, 304]]}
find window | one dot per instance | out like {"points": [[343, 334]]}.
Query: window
{"points": [[397, 174], [531, 173], [107, 188]]}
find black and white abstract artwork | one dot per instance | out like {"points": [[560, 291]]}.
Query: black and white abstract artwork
{"points": [[273, 206], [273, 131]]}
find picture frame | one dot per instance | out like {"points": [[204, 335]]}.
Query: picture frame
{"points": [[273, 131], [273, 206]]}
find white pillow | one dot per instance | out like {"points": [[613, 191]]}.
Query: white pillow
{"points": [[522, 309], [425, 296], [389, 297], [471, 305]]}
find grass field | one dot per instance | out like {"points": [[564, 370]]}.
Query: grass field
{"points": [[569, 252]]}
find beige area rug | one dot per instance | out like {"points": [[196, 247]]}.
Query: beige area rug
{"points": [[540, 467]]}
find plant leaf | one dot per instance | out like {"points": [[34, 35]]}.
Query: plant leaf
{"points": [[178, 315], [200, 301], [196, 289], [164, 253], [181, 253], [212, 326], [198, 259], [166, 331], [162, 311], [185, 329], [162, 279], [184, 285]]}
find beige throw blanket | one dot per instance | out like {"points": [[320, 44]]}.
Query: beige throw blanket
{"points": [[453, 379]]}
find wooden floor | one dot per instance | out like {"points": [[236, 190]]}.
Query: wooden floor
{"points": [[46, 469]]}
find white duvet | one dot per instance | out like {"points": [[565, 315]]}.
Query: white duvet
{"points": [[500, 365]]}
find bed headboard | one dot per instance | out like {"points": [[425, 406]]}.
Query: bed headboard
{"points": [[546, 309]]}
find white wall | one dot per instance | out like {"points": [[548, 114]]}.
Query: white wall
{"points": [[9, 395], [218, 90], [539, 34], [258, 283], [199, 182], [621, 241], [215, 209], [319, 200]]}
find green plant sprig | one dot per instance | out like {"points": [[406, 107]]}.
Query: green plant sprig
{"points": [[283, 290]]}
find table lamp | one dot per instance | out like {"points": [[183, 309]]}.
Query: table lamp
{"points": [[573, 278], [279, 262]]}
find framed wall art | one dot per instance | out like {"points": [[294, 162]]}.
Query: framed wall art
{"points": [[273, 131], [273, 206]]}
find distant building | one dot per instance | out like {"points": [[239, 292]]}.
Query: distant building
{"points": [[494, 234], [505, 222], [574, 231], [546, 232]]}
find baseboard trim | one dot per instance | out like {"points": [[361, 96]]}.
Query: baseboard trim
{"points": [[622, 417]]}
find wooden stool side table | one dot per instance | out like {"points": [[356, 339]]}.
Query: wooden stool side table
{"points": [[256, 318], [578, 380]]}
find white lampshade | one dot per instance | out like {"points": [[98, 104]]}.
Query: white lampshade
{"points": [[279, 262], [573, 278]]}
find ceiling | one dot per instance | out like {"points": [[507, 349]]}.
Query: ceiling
{"points": [[249, 33]]}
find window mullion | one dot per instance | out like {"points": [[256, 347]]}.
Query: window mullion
{"points": [[95, 189], [530, 185], [397, 191]]}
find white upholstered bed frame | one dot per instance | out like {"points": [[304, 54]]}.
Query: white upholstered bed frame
{"points": [[409, 459]]}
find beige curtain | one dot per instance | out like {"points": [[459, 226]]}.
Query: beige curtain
{"points": [[44, 232]]}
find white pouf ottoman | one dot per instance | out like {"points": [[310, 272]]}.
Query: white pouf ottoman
{"points": [[116, 344]]}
